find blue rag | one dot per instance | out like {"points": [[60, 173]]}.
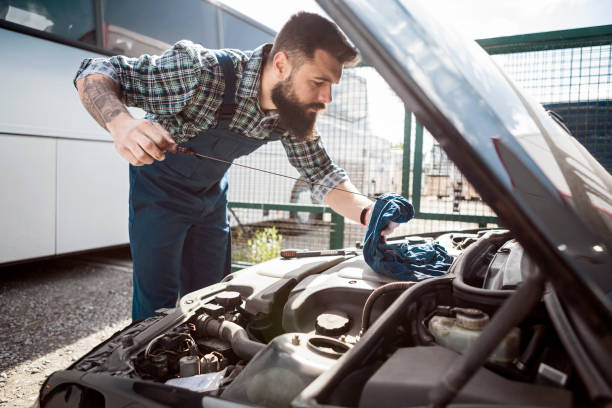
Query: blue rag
{"points": [[401, 261]]}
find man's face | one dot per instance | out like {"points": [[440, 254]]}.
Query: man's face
{"points": [[305, 92]]}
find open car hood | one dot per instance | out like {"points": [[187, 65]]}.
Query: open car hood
{"points": [[540, 181]]}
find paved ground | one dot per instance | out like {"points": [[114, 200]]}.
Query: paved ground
{"points": [[55, 311]]}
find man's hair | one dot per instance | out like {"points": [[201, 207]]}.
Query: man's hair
{"points": [[306, 32]]}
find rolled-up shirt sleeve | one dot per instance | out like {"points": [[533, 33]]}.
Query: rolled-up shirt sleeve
{"points": [[162, 85], [96, 66], [314, 164]]}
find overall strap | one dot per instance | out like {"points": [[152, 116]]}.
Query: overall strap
{"points": [[226, 112]]}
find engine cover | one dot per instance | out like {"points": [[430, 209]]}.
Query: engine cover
{"points": [[406, 378], [342, 289]]}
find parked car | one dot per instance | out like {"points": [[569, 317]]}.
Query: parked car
{"points": [[522, 318]]}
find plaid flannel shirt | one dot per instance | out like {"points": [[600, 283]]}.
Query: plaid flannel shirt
{"points": [[182, 89]]}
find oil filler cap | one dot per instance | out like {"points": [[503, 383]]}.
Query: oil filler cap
{"points": [[471, 319], [333, 323], [228, 299]]}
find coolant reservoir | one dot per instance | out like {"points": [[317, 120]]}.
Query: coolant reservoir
{"points": [[458, 333], [278, 373]]}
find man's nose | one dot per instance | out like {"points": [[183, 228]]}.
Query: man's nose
{"points": [[325, 95]]}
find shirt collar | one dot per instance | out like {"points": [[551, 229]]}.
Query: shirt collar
{"points": [[248, 87]]}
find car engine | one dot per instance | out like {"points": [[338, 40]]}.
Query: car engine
{"points": [[329, 330]]}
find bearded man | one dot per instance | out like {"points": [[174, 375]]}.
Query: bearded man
{"points": [[225, 104]]}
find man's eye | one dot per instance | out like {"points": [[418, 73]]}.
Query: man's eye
{"points": [[318, 83]]}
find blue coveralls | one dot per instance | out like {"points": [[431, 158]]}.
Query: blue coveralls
{"points": [[179, 230]]}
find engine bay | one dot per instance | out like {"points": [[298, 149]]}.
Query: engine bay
{"points": [[329, 330]]}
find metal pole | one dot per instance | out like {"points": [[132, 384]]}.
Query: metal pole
{"points": [[406, 154], [220, 28], [418, 169], [336, 234], [99, 21]]}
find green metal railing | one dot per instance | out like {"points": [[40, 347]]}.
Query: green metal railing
{"points": [[336, 225], [336, 233], [550, 40]]}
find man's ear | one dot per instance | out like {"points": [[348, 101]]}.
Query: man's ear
{"points": [[281, 65]]}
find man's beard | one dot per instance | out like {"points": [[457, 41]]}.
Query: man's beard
{"points": [[293, 115]]}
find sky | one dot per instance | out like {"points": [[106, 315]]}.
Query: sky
{"points": [[473, 18]]}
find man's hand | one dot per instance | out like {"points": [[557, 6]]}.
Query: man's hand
{"points": [[387, 230], [140, 141]]}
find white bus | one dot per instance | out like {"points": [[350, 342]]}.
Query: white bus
{"points": [[63, 187]]}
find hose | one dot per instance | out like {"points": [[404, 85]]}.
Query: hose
{"points": [[242, 346], [533, 348], [377, 293]]}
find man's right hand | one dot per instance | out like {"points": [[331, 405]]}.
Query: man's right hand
{"points": [[140, 141]]}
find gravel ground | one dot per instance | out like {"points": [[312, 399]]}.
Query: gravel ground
{"points": [[55, 311]]}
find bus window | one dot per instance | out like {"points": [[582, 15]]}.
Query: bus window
{"points": [[71, 19], [236, 34], [139, 27]]}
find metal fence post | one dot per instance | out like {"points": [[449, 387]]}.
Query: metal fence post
{"points": [[336, 234], [406, 154], [418, 169]]}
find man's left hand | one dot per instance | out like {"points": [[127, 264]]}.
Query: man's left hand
{"points": [[387, 230]]}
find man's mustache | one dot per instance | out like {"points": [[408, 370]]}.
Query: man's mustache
{"points": [[316, 105]]}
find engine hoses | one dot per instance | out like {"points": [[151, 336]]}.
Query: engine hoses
{"points": [[377, 293]]}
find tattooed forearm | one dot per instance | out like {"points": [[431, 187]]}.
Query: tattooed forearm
{"points": [[100, 96]]}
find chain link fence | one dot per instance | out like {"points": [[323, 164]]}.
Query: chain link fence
{"points": [[576, 84]]}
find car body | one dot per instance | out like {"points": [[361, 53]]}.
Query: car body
{"points": [[522, 318]]}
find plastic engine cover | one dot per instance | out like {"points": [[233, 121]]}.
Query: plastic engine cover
{"points": [[343, 288], [506, 269], [408, 376]]}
